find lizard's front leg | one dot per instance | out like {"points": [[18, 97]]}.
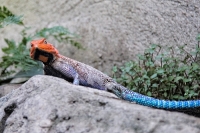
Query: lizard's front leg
{"points": [[76, 79], [48, 70], [67, 70]]}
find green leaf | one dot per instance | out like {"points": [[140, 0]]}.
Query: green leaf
{"points": [[145, 77], [195, 66], [154, 76], [185, 80], [178, 78], [61, 34], [53, 31], [155, 85], [176, 97], [11, 20], [114, 69], [160, 71], [198, 37], [186, 89], [171, 78], [149, 93], [141, 57], [195, 86], [165, 94], [153, 46], [7, 18]]}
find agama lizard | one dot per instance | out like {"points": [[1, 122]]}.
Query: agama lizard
{"points": [[81, 74]]}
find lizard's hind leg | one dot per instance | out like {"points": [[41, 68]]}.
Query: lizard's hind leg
{"points": [[114, 88]]}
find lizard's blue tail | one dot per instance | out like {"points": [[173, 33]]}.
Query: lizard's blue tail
{"points": [[157, 103], [132, 96]]}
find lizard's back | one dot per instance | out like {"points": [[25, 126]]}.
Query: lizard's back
{"points": [[87, 75]]}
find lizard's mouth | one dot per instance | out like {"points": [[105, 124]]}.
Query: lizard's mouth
{"points": [[41, 55]]}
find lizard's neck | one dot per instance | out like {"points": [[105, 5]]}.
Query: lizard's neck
{"points": [[66, 59], [63, 57]]}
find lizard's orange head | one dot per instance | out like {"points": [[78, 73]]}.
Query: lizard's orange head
{"points": [[41, 49]]}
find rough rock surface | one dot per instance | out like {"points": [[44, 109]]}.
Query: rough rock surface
{"points": [[47, 104], [112, 31], [7, 88]]}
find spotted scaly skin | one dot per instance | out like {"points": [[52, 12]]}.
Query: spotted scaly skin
{"points": [[82, 74], [132, 96]]}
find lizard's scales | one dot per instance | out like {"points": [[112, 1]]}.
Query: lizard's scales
{"points": [[157, 103]]}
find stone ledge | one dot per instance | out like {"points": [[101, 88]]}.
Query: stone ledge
{"points": [[46, 104]]}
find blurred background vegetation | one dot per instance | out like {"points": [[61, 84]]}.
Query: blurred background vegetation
{"points": [[16, 62], [163, 72]]}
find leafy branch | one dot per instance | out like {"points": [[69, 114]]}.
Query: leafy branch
{"points": [[61, 34], [7, 17]]}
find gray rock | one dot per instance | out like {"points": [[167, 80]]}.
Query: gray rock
{"points": [[7, 88], [112, 31], [46, 104]]}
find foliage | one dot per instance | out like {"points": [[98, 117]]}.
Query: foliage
{"points": [[61, 34], [166, 73], [16, 55], [7, 17]]}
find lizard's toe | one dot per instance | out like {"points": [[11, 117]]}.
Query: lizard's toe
{"points": [[109, 87]]}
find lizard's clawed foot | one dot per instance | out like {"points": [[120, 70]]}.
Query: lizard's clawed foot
{"points": [[109, 87], [114, 88]]}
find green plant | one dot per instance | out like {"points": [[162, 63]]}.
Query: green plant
{"points": [[166, 73], [61, 34], [16, 57], [7, 17]]}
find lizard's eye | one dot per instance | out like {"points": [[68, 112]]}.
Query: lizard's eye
{"points": [[45, 42]]}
